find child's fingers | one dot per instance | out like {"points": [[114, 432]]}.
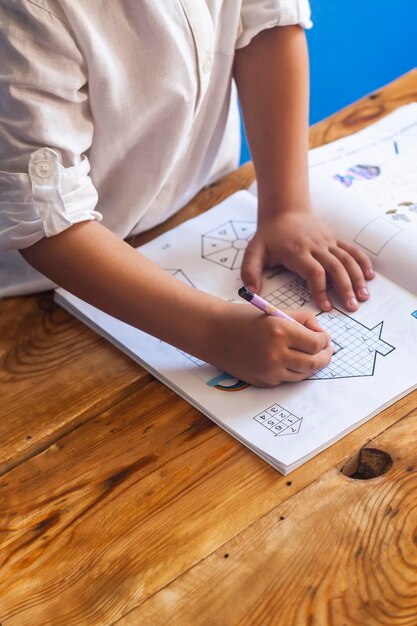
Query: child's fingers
{"points": [[340, 277], [306, 317], [312, 324], [360, 257], [354, 271], [288, 376], [252, 266], [309, 320], [305, 340], [308, 364], [315, 274]]}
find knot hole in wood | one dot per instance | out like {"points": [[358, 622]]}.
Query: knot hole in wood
{"points": [[367, 463]]}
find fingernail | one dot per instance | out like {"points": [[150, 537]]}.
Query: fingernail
{"points": [[353, 302], [327, 305], [363, 292], [251, 288], [370, 273]]}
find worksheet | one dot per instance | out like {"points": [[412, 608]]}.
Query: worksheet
{"points": [[374, 364], [365, 187]]}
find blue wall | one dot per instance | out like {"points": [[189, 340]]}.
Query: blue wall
{"points": [[356, 47]]}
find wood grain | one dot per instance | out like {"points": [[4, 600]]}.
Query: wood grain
{"points": [[132, 498], [366, 111], [53, 370], [122, 505], [341, 552]]}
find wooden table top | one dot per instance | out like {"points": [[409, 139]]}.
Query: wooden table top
{"points": [[122, 504]]}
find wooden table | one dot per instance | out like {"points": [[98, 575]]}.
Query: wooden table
{"points": [[122, 504]]}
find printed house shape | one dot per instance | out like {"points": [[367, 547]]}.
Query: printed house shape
{"points": [[356, 346]]}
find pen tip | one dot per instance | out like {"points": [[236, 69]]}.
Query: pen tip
{"points": [[245, 293]]}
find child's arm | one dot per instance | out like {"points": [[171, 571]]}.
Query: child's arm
{"points": [[93, 263], [272, 79], [46, 207]]}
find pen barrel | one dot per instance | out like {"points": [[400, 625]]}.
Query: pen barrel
{"points": [[270, 309], [262, 304]]}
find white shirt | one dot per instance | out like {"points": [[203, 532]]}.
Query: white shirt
{"points": [[118, 111]]}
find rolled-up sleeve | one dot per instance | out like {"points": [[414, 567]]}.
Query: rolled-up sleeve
{"points": [[258, 15], [46, 127]]}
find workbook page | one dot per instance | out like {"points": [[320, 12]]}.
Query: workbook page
{"points": [[374, 360], [365, 188]]}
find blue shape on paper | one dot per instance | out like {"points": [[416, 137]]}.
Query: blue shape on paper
{"points": [[225, 382]]}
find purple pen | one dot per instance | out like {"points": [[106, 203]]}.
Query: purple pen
{"points": [[263, 305]]}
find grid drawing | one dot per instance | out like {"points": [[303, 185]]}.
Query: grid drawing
{"points": [[226, 244], [292, 295], [279, 421], [356, 346]]}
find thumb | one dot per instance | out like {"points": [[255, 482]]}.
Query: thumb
{"points": [[309, 320], [313, 324], [252, 266]]}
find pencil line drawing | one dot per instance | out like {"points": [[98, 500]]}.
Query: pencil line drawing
{"points": [[377, 234], [279, 421], [355, 346], [292, 295], [226, 244], [180, 275]]}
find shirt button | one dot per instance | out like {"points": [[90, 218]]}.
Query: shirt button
{"points": [[42, 169], [207, 63]]}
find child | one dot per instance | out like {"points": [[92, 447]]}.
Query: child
{"points": [[114, 114]]}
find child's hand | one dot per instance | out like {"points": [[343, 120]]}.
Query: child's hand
{"points": [[302, 243], [265, 350]]}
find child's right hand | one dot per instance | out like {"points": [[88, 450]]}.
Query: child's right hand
{"points": [[237, 338], [265, 350]]}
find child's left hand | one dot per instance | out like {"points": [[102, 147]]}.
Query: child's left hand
{"points": [[299, 241]]}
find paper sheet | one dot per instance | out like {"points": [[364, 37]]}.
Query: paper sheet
{"points": [[17, 277], [365, 187], [375, 360]]}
